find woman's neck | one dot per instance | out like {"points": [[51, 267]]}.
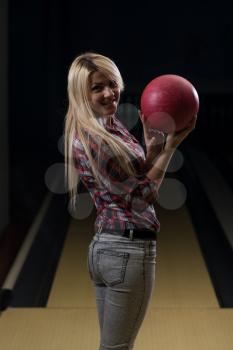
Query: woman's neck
{"points": [[106, 120]]}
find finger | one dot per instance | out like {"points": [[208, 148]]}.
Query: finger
{"points": [[152, 143], [153, 140], [140, 114], [143, 119], [160, 136], [157, 132], [192, 123]]}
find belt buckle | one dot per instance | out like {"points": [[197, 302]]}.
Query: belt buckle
{"points": [[131, 234]]}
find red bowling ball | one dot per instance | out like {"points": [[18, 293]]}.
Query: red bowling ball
{"points": [[169, 103]]}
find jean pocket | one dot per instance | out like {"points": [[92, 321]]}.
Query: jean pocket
{"points": [[111, 266]]}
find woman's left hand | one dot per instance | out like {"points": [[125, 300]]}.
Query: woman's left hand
{"points": [[154, 139]]}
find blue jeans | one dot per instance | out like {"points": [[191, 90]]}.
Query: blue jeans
{"points": [[123, 274]]}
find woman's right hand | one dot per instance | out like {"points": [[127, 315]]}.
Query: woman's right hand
{"points": [[173, 140]]}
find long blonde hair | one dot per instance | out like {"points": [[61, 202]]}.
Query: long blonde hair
{"points": [[80, 117]]}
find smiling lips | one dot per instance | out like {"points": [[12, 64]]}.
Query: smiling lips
{"points": [[109, 103]]}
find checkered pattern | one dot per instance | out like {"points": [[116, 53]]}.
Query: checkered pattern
{"points": [[121, 201]]}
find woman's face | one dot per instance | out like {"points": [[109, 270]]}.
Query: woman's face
{"points": [[104, 94]]}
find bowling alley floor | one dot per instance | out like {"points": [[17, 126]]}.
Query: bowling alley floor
{"points": [[183, 314]]}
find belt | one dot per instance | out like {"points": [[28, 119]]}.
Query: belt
{"points": [[133, 233]]}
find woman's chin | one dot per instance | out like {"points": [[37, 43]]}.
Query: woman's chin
{"points": [[109, 111]]}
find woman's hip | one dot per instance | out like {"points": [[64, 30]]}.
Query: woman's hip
{"points": [[116, 261]]}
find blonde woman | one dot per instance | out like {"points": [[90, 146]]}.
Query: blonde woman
{"points": [[123, 184]]}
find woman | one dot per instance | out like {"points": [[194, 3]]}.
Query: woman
{"points": [[124, 185]]}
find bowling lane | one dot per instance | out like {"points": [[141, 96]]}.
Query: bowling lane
{"points": [[184, 311], [162, 329], [207, 176], [72, 286], [182, 279], [182, 276]]}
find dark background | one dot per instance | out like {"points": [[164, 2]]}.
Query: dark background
{"points": [[191, 39]]}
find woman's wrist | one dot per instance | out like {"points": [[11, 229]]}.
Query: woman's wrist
{"points": [[158, 170], [169, 146]]}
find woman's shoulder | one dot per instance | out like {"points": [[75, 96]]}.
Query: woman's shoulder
{"points": [[77, 143], [92, 143], [125, 130]]}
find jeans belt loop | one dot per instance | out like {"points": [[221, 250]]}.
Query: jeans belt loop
{"points": [[131, 234], [100, 229]]}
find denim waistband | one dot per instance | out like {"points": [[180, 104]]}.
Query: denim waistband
{"points": [[114, 238]]}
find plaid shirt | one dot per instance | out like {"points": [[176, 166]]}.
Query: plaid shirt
{"points": [[121, 201]]}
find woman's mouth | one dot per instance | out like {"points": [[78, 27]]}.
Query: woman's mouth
{"points": [[109, 103]]}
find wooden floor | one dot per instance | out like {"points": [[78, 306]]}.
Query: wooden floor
{"points": [[183, 314]]}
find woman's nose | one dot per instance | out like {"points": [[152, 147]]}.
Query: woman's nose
{"points": [[108, 92]]}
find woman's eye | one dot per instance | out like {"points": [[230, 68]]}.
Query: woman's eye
{"points": [[96, 88], [113, 83]]}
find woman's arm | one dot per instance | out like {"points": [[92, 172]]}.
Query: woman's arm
{"points": [[154, 141], [158, 170]]}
